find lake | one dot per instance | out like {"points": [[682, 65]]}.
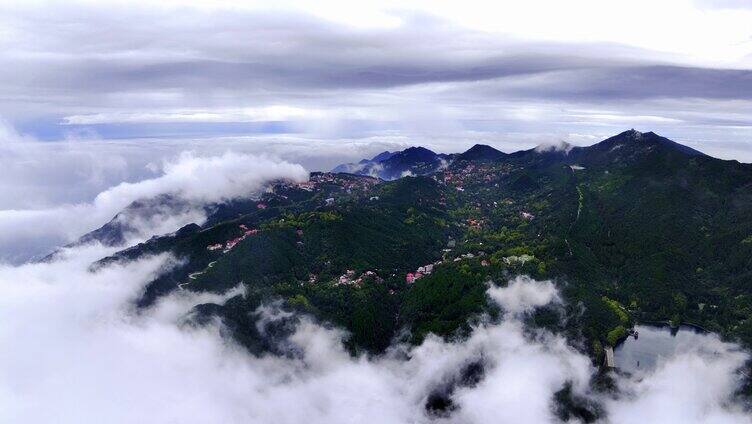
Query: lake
{"points": [[655, 343]]}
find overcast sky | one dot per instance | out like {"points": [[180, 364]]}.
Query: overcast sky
{"points": [[442, 74]]}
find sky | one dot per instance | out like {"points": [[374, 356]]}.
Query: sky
{"points": [[379, 73]]}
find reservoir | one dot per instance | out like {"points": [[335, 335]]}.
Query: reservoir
{"points": [[655, 344]]}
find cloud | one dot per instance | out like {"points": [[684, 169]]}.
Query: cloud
{"points": [[53, 192], [723, 4], [561, 146], [326, 76], [39, 174], [207, 179], [194, 180], [635, 82], [694, 386], [80, 352], [524, 294], [130, 366], [261, 114]]}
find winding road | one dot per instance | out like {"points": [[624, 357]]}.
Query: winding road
{"points": [[193, 275]]}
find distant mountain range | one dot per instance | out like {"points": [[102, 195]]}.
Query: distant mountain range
{"points": [[421, 161], [390, 166]]}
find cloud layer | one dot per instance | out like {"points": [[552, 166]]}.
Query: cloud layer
{"points": [[196, 180], [80, 352], [186, 68]]}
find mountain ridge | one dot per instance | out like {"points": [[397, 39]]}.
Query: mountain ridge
{"points": [[391, 165]]}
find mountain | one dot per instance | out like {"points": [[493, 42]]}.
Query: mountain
{"points": [[149, 212], [633, 139], [389, 166], [382, 156], [481, 152], [125, 223], [142, 213], [364, 166], [631, 146], [415, 161], [634, 228], [619, 150]]}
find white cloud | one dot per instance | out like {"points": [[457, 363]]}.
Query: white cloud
{"points": [[206, 179], [561, 146], [505, 69], [694, 386], [524, 294], [726, 39], [78, 352], [250, 114], [197, 180]]}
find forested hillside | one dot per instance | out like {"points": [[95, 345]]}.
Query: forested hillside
{"points": [[635, 228]]}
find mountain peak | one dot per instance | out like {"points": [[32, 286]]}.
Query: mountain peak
{"points": [[414, 153], [633, 133], [630, 135], [649, 138], [417, 149], [387, 165], [382, 156], [632, 141], [481, 152]]}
